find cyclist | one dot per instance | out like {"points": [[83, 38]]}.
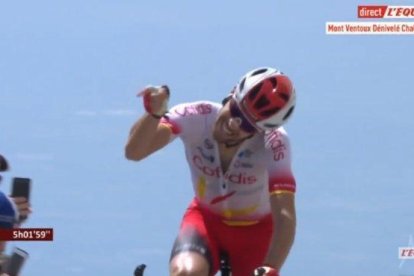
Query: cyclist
{"points": [[10, 209], [240, 162], [23, 207]]}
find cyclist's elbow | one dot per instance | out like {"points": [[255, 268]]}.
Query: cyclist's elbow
{"points": [[134, 155]]}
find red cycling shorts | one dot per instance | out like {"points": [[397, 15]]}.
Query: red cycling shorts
{"points": [[204, 232]]}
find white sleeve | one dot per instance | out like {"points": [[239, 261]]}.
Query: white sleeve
{"points": [[278, 154], [184, 118]]}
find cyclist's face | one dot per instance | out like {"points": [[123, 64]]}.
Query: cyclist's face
{"points": [[231, 126]]}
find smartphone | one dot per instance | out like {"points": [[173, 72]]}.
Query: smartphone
{"points": [[16, 261], [21, 188]]}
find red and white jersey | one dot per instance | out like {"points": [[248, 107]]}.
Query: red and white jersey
{"points": [[261, 166]]}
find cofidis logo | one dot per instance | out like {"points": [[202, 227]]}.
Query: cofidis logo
{"points": [[383, 27]]}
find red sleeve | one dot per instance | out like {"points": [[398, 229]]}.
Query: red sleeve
{"points": [[175, 128]]}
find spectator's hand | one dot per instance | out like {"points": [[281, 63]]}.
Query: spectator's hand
{"points": [[23, 206]]}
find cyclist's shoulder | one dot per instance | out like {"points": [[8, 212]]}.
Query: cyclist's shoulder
{"points": [[277, 142], [191, 109], [276, 135]]}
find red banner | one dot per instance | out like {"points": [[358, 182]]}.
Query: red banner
{"points": [[371, 11], [26, 234]]}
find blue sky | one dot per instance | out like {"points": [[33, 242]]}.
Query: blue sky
{"points": [[69, 72]]}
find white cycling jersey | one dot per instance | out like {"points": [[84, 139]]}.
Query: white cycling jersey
{"points": [[261, 166]]}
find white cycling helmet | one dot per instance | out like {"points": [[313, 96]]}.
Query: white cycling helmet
{"points": [[266, 97]]}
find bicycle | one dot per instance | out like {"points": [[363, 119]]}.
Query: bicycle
{"points": [[225, 269]]}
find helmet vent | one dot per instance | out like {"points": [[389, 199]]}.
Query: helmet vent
{"points": [[271, 125], [284, 96], [273, 81], [260, 71], [255, 90], [288, 113], [241, 86], [269, 112], [261, 102]]}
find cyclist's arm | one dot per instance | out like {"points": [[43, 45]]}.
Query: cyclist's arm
{"points": [[282, 188], [147, 135], [284, 226]]}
